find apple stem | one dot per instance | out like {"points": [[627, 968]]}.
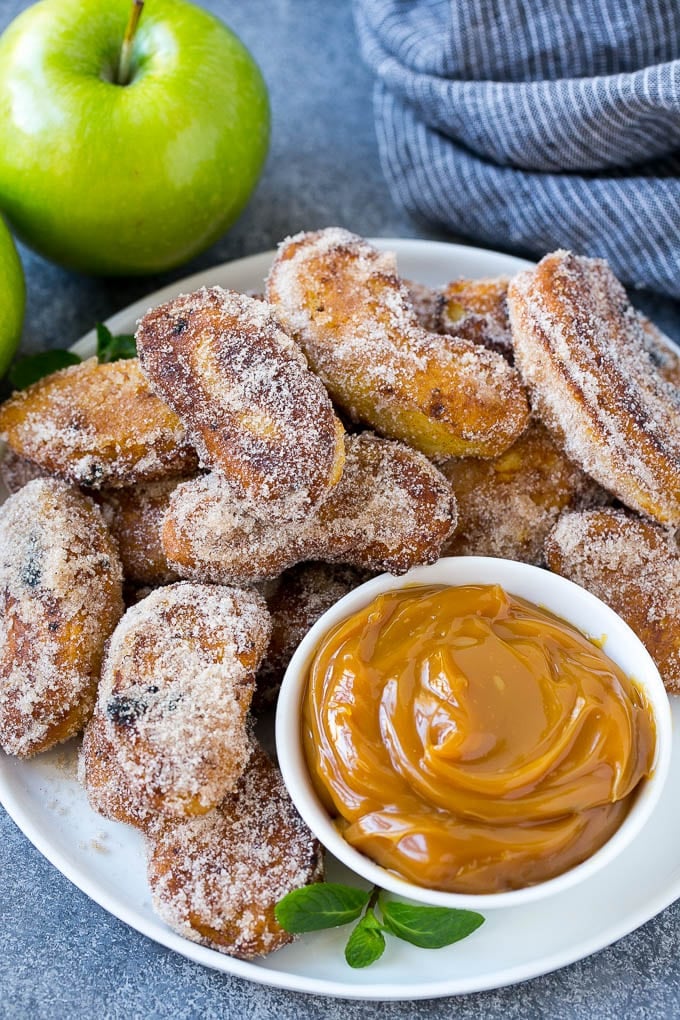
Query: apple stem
{"points": [[123, 76]]}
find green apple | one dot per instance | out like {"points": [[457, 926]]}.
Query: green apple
{"points": [[113, 170], [12, 298]]}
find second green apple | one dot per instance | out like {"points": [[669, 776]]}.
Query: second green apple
{"points": [[113, 178], [12, 298]]}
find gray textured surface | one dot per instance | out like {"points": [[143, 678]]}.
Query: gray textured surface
{"points": [[60, 954]]}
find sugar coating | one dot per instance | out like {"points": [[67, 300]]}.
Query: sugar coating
{"points": [[176, 686], [507, 506], [391, 510], [581, 349], [633, 566], [216, 879], [97, 425], [60, 598], [242, 387], [108, 790], [344, 303]]}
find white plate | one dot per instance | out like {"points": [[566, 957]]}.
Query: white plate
{"points": [[105, 859]]}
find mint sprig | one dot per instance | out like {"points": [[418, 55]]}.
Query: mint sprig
{"points": [[28, 370], [331, 904], [114, 348], [110, 347]]}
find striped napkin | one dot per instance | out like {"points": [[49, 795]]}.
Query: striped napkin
{"points": [[532, 124]]}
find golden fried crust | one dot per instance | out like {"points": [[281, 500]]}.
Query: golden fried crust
{"points": [[343, 302], [478, 311], [60, 598], [217, 879], [391, 510], [175, 689], [581, 349], [243, 389], [507, 506], [106, 784], [97, 425], [296, 600], [134, 517], [633, 566]]}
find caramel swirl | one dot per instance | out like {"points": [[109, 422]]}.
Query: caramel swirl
{"points": [[469, 740]]}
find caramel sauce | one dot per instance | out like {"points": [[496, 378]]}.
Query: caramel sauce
{"points": [[471, 741]]}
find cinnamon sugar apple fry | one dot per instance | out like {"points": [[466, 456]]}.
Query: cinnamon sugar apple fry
{"points": [[507, 506], [60, 599], [391, 510], [344, 303], [97, 425], [581, 348], [107, 787], [633, 566], [175, 690], [242, 387], [217, 879]]}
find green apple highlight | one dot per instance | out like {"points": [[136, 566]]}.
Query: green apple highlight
{"points": [[113, 178], [12, 298]]}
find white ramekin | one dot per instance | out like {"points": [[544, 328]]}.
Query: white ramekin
{"points": [[550, 591]]}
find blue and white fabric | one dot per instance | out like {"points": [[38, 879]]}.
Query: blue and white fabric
{"points": [[530, 125]]}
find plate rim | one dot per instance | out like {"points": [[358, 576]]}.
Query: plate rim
{"points": [[252, 970]]}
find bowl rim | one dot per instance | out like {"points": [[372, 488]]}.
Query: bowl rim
{"points": [[580, 606]]}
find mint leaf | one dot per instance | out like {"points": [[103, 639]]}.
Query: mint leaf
{"points": [[330, 904], [428, 927], [113, 348], [323, 905], [35, 366], [366, 944]]}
